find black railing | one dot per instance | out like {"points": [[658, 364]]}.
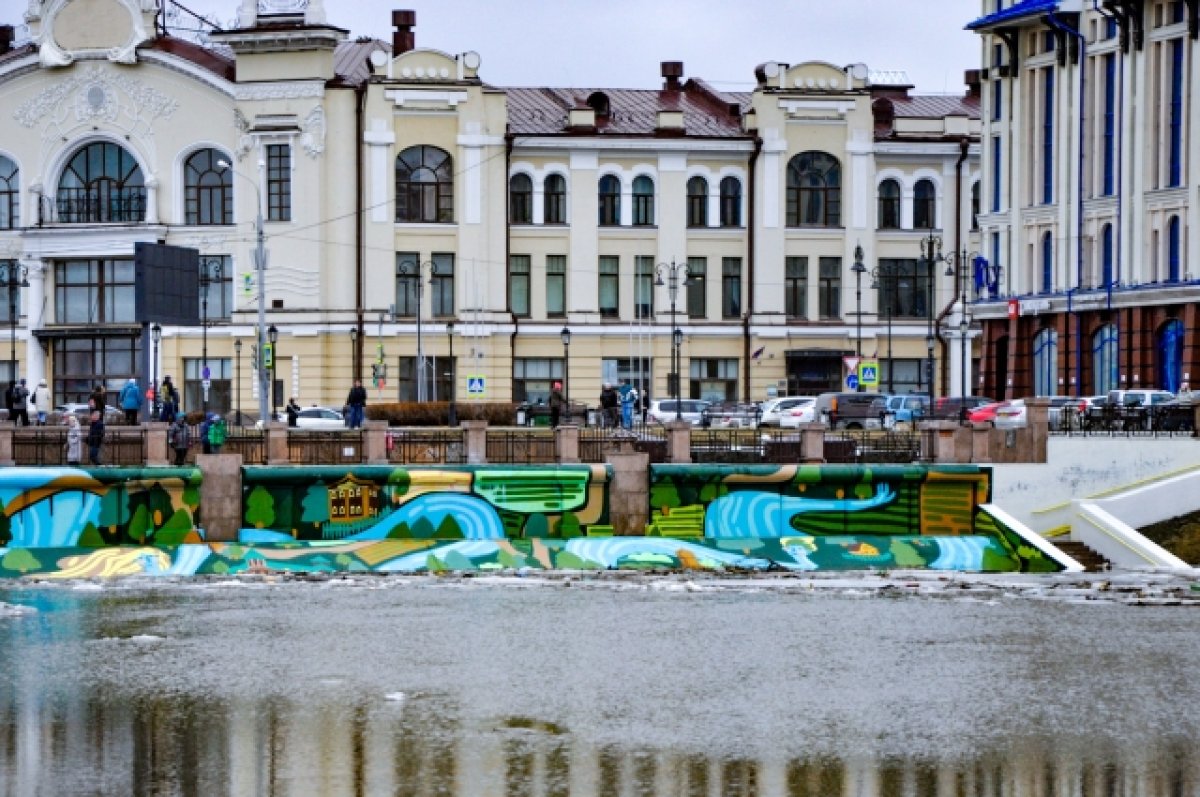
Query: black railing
{"points": [[44, 445], [426, 447], [1125, 421], [326, 448], [250, 443], [595, 443], [727, 446], [869, 446], [84, 206], [521, 447]]}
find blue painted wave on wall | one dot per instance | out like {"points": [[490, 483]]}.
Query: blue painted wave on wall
{"points": [[750, 513]]}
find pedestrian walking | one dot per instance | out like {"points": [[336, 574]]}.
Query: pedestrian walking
{"points": [[97, 400], [179, 437], [169, 397], [645, 404], [41, 402], [356, 405], [131, 401], [95, 437], [609, 401], [293, 413], [557, 402], [629, 400], [73, 448], [216, 434], [21, 404]]}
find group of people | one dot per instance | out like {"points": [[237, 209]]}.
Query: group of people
{"points": [[20, 402], [619, 405]]}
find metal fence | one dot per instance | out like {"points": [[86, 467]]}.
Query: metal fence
{"points": [[47, 445], [249, 442], [426, 447], [1125, 421], [869, 446], [595, 443], [521, 447], [727, 446], [326, 448]]}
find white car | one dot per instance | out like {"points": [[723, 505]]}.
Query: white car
{"points": [[1010, 415], [774, 410], [689, 410], [803, 412], [320, 418]]}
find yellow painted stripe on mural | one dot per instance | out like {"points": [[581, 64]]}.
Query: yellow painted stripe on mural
{"points": [[383, 550], [785, 474], [1114, 536], [1057, 531]]}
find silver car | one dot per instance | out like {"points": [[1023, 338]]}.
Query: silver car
{"points": [[666, 410]]}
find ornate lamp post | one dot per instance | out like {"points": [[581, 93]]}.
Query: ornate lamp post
{"points": [[931, 253], [415, 269], [879, 275], [211, 270], [260, 267], [956, 267], [566, 341], [156, 402], [677, 274], [859, 269], [452, 413], [237, 378], [13, 276], [354, 358], [273, 337]]}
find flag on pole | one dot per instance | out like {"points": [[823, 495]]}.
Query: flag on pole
{"points": [[758, 352]]}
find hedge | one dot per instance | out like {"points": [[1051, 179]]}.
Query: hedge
{"points": [[437, 413]]}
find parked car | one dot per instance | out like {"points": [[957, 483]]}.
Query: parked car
{"points": [[951, 408], [112, 415], [320, 418], [852, 410], [666, 410], [1178, 414], [1133, 409], [1011, 415], [1063, 413], [985, 412], [774, 410], [905, 412], [731, 415], [804, 412]]}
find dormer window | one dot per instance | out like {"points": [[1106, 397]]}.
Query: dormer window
{"points": [[598, 102]]}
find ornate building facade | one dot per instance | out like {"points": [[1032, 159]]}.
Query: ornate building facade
{"points": [[1089, 208], [446, 235]]}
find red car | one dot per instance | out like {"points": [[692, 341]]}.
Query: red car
{"points": [[987, 412]]}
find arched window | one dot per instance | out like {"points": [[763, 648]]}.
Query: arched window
{"points": [[1106, 256], [555, 196], [1173, 249], [1170, 355], [102, 183], [924, 205], [1045, 363], [814, 190], [643, 202], [1104, 359], [425, 186], [610, 201], [697, 202], [1047, 263], [207, 189], [10, 194], [975, 205], [889, 205], [731, 202], [520, 199]]}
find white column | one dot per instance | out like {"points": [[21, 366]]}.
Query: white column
{"points": [[379, 140], [582, 269], [152, 199], [34, 306]]}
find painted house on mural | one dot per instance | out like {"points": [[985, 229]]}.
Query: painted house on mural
{"points": [[442, 232], [1089, 209]]}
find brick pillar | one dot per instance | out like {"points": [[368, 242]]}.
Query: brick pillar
{"points": [[937, 440], [475, 438], [6, 446], [812, 442], [375, 440], [156, 454], [277, 443], [566, 444], [981, 437], [679, 443], [220, 496], [629, 492]]}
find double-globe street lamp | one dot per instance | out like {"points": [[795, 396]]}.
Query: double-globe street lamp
{"points": [[13, 276], [859, 269], [260, 267], [414, 271], [956, 267], [212, 271], [676, 274], [155, 393], [273, 337]]}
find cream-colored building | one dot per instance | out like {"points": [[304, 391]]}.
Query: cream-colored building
{"points": [[414, 213]]}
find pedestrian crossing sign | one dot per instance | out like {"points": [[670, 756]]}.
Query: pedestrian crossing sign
{"points": [[476, 386], [868, 374]]}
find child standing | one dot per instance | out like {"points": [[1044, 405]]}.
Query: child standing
{"points": [[74, 444]]}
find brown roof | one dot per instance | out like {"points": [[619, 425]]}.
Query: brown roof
{"points": [[936, 106], [632, 112], [214, 61], [351, 60], [17, 52]]}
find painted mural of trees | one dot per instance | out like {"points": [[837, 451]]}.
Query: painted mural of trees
{"points": [[260, 508], [114, 513], [315, 505]]}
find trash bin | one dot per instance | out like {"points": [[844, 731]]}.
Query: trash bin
{"points": [[522, 412], [591, 417]]}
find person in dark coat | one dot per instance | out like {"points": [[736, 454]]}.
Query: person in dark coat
{"points": [[356, 405], [293, 412], [557, 403], [610, 400], [95, 437]]}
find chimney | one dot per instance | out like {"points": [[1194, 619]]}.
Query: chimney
{"points": [[403, 38], [6, 38], [672, 71], [974, 81]]}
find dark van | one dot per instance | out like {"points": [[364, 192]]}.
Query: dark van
{"points": [[851, 410]]}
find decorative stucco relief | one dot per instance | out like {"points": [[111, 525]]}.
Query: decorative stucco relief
{"points": [[95, 93], [313, 137], [52, 53], [245, 141], [311, 90]]}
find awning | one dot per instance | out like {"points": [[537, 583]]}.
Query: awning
{"points": [[74, 333], [1015, 13]]}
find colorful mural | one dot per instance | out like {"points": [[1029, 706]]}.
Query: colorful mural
{"points": [[483, 519]]}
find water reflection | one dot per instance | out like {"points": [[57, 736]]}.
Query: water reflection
{"points": [[176, 744]]}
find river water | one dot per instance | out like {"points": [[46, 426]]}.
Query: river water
{"points": [[605, 686]]}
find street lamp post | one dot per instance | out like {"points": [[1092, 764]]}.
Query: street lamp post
{"points": [[566, 342], [354, 358], [211, 270], [673, 272], [859, 269], [13, 276], [415, 269], [452, 413], [156, 401], [931, 252], [260, 267], [273, 337], [237, 378], [956, 267]]}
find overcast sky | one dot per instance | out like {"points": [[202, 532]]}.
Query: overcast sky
{"points": [[620, 43]]}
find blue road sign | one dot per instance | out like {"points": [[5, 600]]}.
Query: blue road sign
{"points": [[852, 382]]}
